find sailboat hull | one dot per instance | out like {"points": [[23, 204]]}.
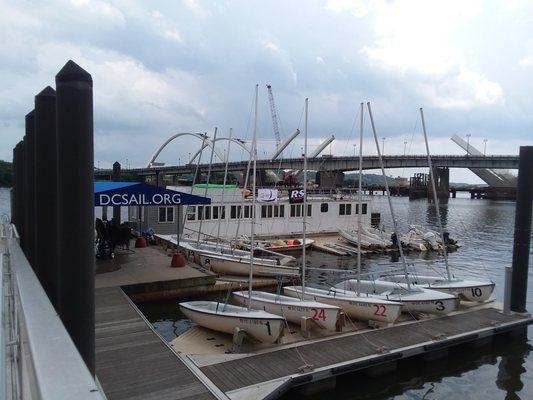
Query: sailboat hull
{"points": [[417, 299], [259, 325], [357, 307], [467, 290], [293, 310], [241, 266]]}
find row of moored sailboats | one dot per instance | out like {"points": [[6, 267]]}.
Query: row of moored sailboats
{"points": [[263, 315]]}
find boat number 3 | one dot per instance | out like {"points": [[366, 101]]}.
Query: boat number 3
{"points": [[440, 305], [319, 314], [380, 310], [268, 328], [476, 292]]}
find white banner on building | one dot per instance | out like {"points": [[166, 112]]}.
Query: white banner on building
{"points": [[267, 195]]}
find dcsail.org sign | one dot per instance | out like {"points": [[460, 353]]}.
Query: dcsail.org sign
{"points": [[125, 199]]}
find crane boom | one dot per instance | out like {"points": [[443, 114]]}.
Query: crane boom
{"points": [[274, 114]]}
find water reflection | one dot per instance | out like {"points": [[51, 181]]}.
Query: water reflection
{"points": [[465, 374]]}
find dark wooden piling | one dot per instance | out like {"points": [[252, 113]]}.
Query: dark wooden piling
{"points": [[16, 199], [46, 213], [522, 230], [115, 177], [22, 202], [29, 188], [75, 156]]}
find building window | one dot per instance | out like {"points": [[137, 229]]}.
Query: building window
{"points": [[235, 212], [272, 211], [324, 207], [166, 214], [191, 213], [345, 209], [364, 207], [297, 210]]}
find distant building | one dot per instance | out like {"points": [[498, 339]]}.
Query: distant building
{"points": [[400, 181]]}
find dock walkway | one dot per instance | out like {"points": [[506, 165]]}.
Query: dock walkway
{"points": [[276, 370], [132, 362]]}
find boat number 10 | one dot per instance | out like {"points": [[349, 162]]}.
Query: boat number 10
{"points": [[476, 292]]}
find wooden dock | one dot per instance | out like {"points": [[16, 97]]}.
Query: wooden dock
{"points": [[132, 361], [271, 373]]}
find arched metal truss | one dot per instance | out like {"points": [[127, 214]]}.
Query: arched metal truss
{"points": [[177, 135], [212, 142]]}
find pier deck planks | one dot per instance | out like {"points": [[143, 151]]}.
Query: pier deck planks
{"points": [[131, 360], [281, 363]]}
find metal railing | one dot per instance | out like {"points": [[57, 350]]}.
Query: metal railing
{"points": [[38, 358]]}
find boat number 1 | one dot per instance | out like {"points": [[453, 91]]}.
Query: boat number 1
{"points": [[268, 328], [319, 314], [380, 310], [476, 292]]}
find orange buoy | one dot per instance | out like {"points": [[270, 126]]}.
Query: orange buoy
{"points": [[140, 242], [178, 260]]}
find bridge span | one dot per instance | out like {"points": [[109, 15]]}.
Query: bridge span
{"points": [[339, 164]]}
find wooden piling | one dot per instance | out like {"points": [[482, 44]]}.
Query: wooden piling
{"points": [[75, 157]]}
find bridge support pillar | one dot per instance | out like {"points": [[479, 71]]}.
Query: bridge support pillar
{"points": [[329, 179], [442, 182]]}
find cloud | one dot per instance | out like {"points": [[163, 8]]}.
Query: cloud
{"points": [[160, 68], [526, 61], [414, 40]]}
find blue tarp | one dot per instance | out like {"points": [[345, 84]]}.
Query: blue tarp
{"points": [[108, 193]]}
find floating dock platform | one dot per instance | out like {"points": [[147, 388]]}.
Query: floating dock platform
{"points": [[133, 361]]}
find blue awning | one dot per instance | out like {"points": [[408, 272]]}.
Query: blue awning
{"points": [[107, 193]]}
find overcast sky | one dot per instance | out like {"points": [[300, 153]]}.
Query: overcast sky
{"points": [[161, 67]]}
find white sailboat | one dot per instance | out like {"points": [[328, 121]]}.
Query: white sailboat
{"points": [[467, 289], [412, 298], [358, 305], [292, 309], [260, 325]]}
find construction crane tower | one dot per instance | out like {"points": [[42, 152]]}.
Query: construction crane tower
{"points": [[274, 114]]}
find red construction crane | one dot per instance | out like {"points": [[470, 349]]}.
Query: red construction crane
{"points": [[274, 115]]}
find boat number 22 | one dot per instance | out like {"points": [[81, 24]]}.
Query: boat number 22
{"points": [[380, 310]]}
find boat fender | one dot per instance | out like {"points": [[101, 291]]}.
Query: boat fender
{"points": [[178, 260]]}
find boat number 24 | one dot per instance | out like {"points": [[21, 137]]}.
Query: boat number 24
{"points": [[318, 314]]}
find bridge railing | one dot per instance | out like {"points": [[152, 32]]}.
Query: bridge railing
{"points": [[38, 359]]}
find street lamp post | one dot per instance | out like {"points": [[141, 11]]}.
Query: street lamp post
{"points": [[383, 146], [468, 144], [404, 147], [485, 147], [354, 145]]}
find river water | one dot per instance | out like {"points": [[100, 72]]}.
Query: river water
{"points": [[484, 230]]}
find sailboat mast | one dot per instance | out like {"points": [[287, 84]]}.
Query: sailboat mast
{"points": [[388, 197], [223, 207], [435, 198], [184, 217], [304, 227], [254, 179], [207, 185], [360, 199]]}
